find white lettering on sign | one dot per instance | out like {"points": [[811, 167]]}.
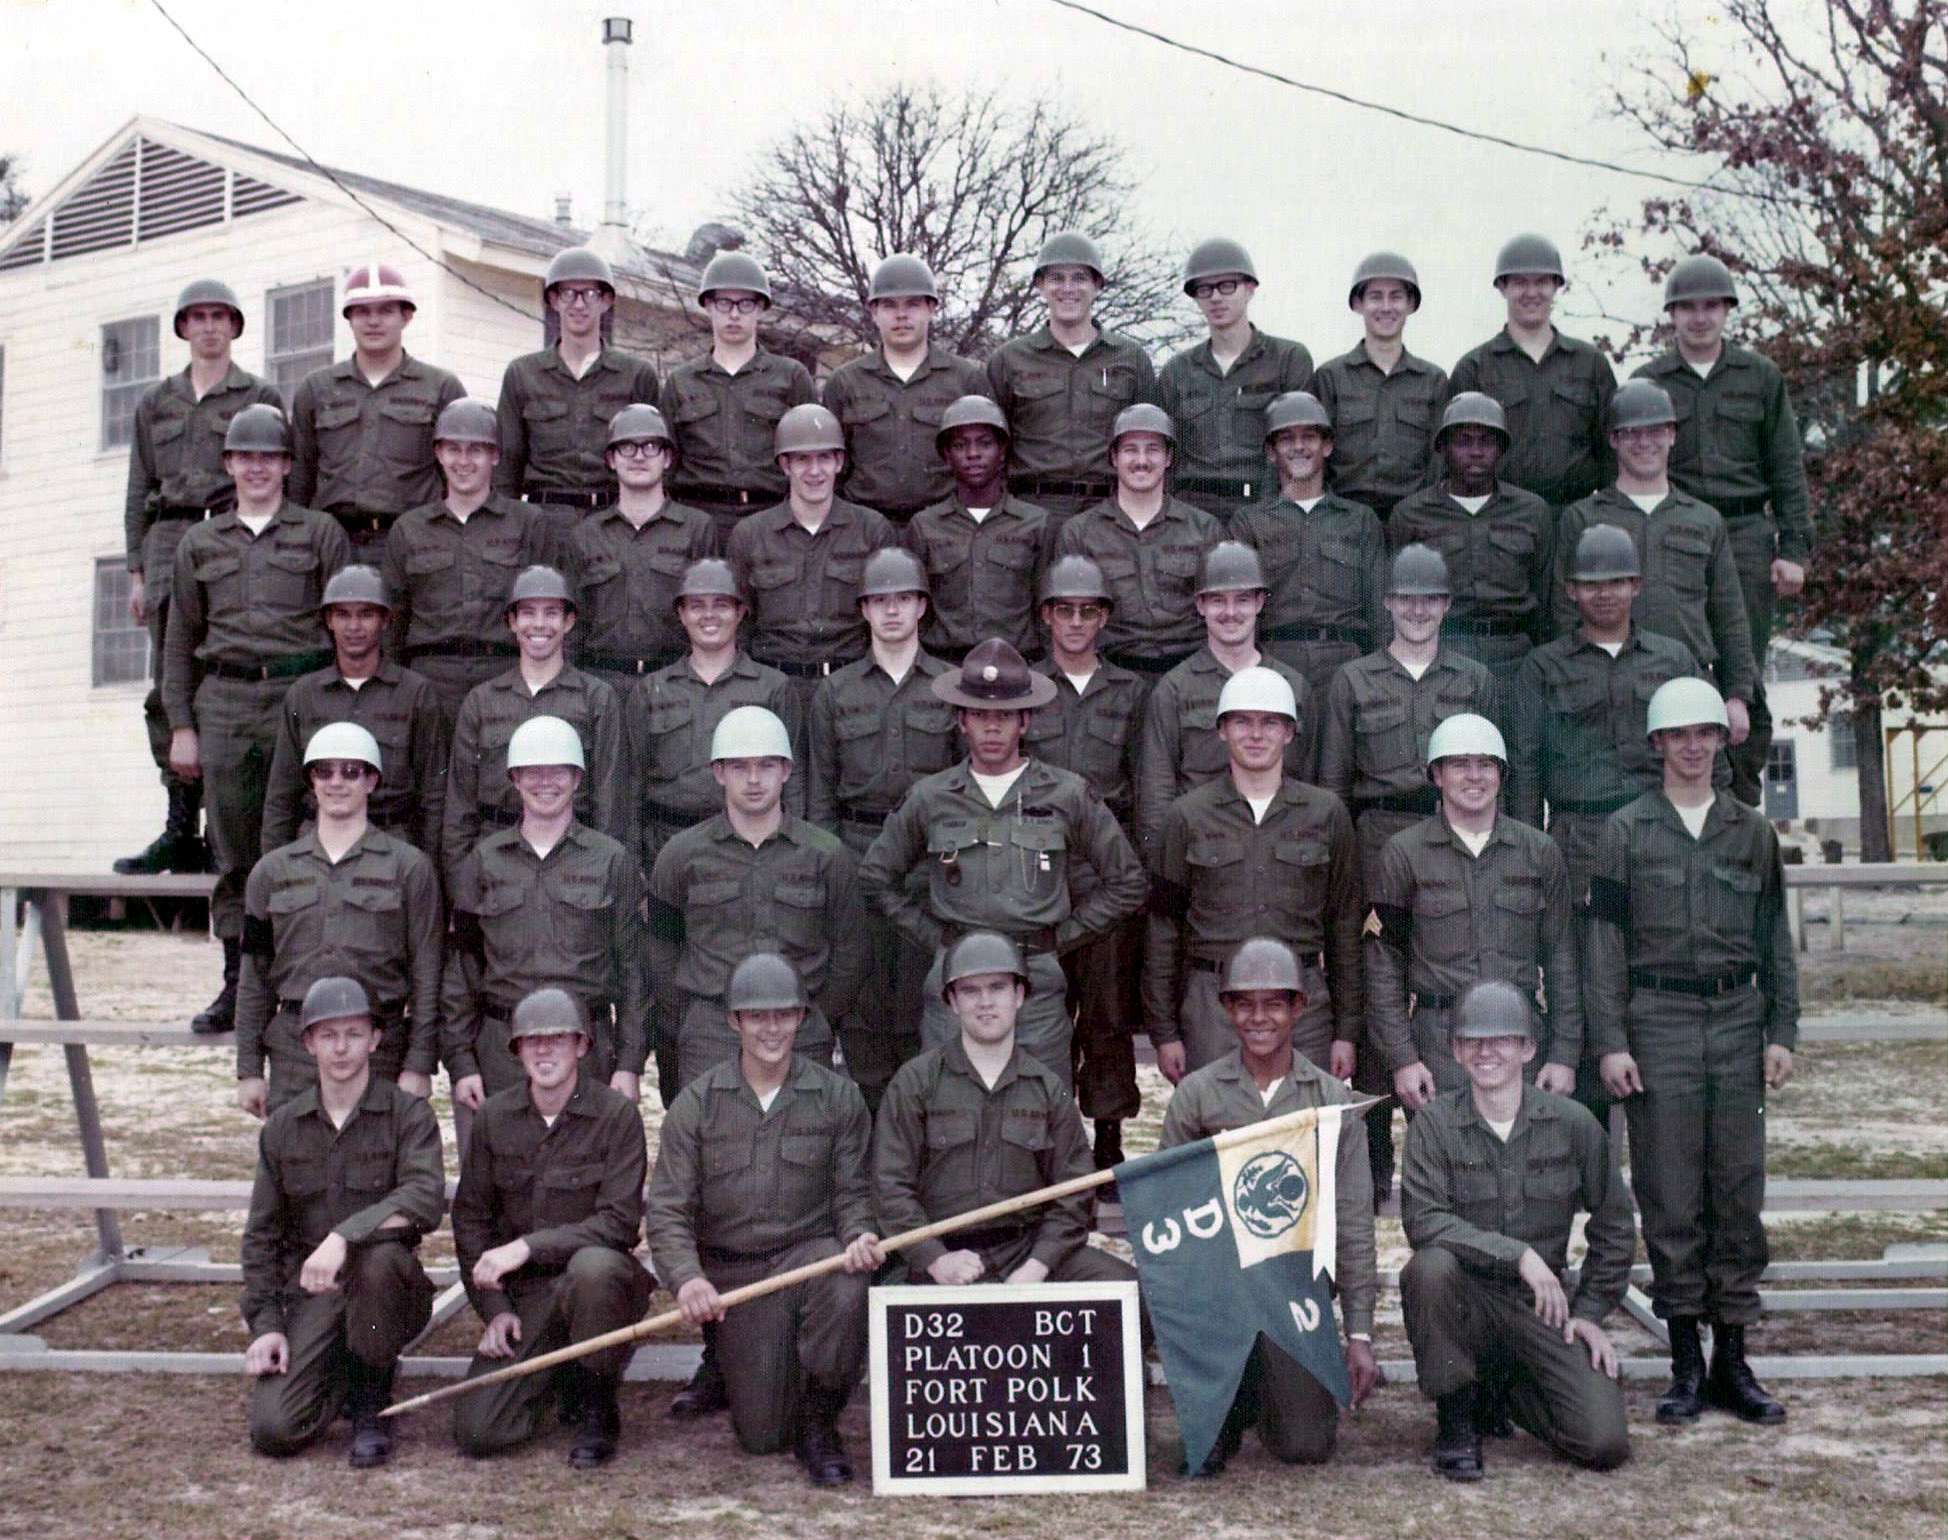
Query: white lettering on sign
{"points": [[1205, 1222]]}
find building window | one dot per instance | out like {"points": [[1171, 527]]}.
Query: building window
{"points": [[121, 646], [300, 333], [1839, 738], [131, 361]]}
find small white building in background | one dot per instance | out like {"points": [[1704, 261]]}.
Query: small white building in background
{"points": [[88, 281]]}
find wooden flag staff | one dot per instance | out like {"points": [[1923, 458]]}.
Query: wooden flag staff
{"points": [[655, 1323]]}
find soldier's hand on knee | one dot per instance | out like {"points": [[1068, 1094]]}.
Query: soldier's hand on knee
{"points": [[1034, 1270], [1788, 577], [496, 1264], [1556, 1079], [1619, 1073], [628, 1083], [1341, 1059], [268, 1354], [1778, 1066], [699, 1301], [956, 1268], [139, 609], [319, 1275], [469, 1091], [863, 1254], [1603, 1352], [253, 1095], [185, 757], [1414, 1085], [503, 1333], [1171, 1062], [1740, 716], [413, 1083], [1362, 1368], [1551, 1304]]}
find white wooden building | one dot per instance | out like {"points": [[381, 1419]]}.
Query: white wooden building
{"points": [[88, 280]]}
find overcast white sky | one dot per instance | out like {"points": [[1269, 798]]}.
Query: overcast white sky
{"points": [[501, 102]]}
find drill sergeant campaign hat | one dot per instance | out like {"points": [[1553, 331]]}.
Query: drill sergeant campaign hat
{"points": [[994, 677]]}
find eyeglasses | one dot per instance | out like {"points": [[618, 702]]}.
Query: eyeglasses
{"points": [[338, 769], [1215, 286], [578, 294], [723, 304], [640, 448]]}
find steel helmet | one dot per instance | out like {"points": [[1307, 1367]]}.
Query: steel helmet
{"points": [[892, 570], [547, 1012], [1686, 703], [978, 952], [581, 264], [539, 582], [208, 291], [467, 421], [750, 732], [1261, 963], [545, 741], [1699, 277], [971, 412], [709, 577], [640, 423], [356, 584], [765, 981], [1419, 569], [1383, 264], [374, 284], [332, 998], [1603, 552], [1217, 258], [1258, 689], [1492, 1008], [259, 428], [1230, 567], [1142, 418], [1640, 404], [1475, 409], [1075, 577], [343, 740], [1071, 248], [734, 270], [902, 276], [1297, 409], [1524, 254], [1465, 733], [805, 428]]}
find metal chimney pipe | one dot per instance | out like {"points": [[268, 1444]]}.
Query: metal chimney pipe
{"points": [[564, 209], [612, 239]]}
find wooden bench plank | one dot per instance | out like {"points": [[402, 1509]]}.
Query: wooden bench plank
{"points": [[1855, 1195], [124, 1192], [112, 884], [126, 1034]]}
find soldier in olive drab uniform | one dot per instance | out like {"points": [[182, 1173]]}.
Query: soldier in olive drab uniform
{"points": [[479, 796], [1179, 749], [979, 1119], [1468, 894], [800, 561], [450, 565], [1690, 584], [545, 1224], [1001, 837], [725, 406], [627, 562], [1325, 557], [1217, 392], [362, 685], [760, 1168], [1556, 390], [177, 479], [1492, 1177], [1090, 729], [1060, 401], [1255, 852], [362, 429], [753, 878], [547, 903], [876, 727], [1738, 449], [1261, 1076], [1148, 545], [891, 401], [243, 623], [983, 547], [1694, 1007], [556, 405], [1498, 541], [1383, 400], [348, 1180], [347, 898]]}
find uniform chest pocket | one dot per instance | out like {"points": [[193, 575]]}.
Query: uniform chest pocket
{"points": [[567, 1181], [293, 897], [769, 576], [1356, 411], [1016, 554], [1581, 699], [691, 407], [951, 838], [1735, 897], [330, 416], [1117, 382], [1477, 1193], [950, 1130], [405, 433], [604, 569], [302, 1176], [1214, 850], [1119, 572], [854, 726], [499, 901], [725, 1156], [1338, 571], [1551, 1181], [843, 569], [1512, 540], [1576, 395], [585, 898], [1026, 1130], [1301, 852], [866, 409], [421, 564], [1179, 562], [220, 577], [714, 893], [545, 415], [765, 405], [165, 431], [372, 915], [669, 564], [1520, 898], [1687, 563], [1442, 930], [1037, 387], [806, 1151], [1413, 412], [1383, 737], [291, 577], [369, 1173], [1748, 410]]}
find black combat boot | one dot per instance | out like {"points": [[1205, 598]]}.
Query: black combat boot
{"points": [[705, 1392], [1457, 1441], [818, 1448], [601, 1423], [1683, 1401], [1231, 1436], [370, 1394], [220, 1015], [1491, 1400], [1731, 1383], [179, 848], [1109, 1143]]}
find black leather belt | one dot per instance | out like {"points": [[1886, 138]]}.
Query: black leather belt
{"points": [[1740, 507], [1485, 627], [901, 511], [662, 812], [986, 1237], [356, 521], [1219, 486], [803, 670], [1314, 960], [461, 650], [1602, 807], [171, 513], [871, 817], [1707, 988], [561, 497], [1035, 943], [626, 663], [1154, 667], [287, 667], [1421, 802], [1061, 486], [1356, 635], [727, 497]]}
